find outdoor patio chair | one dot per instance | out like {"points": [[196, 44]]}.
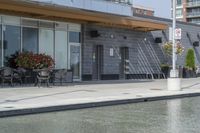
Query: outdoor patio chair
{"points": [[59, 75], [27, 75], [17, 75], [42, 75], [7, 75]]}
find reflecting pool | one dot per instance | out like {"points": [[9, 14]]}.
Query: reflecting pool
{"points": [[168, 116]]}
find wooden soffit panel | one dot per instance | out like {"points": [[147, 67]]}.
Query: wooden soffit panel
{"points": [[48, 11]]}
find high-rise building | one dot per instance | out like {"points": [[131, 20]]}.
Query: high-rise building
{"points": [[188, 11]]}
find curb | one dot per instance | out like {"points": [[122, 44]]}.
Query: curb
{"points": [[21, 112]]}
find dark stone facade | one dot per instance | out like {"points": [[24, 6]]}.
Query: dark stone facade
{"points": [[145, 56]]}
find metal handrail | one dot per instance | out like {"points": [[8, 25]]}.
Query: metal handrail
{"points": [[196, 3]]}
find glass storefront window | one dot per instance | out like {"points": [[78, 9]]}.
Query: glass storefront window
{"points": [[59, 40], [11, 20], [29, 23], [46, 42], [61, 49], [1, 57], [75, 60], [45, 24], [74, 37], [30, 39], [61, 26], [11, 41]]}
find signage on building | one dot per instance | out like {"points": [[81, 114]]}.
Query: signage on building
{"points": [[178, 33], [111, 52]]}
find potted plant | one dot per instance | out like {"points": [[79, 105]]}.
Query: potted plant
{"points": [[168, 47], [165, 69], [29, 60], [189, 70]]}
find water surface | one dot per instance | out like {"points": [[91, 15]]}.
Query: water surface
{"points": [[169, 116]]}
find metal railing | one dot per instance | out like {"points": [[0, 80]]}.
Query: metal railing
{"points": [[195, 3], [193, 14]]}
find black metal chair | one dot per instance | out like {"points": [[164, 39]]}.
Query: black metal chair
{"points": [[7, 75], [43, 75], [17, 75], [59, 75], [26, 75]]}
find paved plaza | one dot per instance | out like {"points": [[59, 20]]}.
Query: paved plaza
{"points": [[89, 92]]}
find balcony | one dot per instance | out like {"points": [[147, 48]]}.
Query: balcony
{"points": [[120, 7], [193, 4], [193, 14], [195, 22]]}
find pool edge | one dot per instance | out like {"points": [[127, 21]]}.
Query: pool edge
{"points": [[39, 110]]}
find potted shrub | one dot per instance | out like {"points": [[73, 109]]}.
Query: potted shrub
{"points": [[28, 60], [165, 69], [167, 47], [190, 64]]}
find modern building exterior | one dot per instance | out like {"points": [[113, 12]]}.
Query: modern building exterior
{"points": [[142, 10], [188, 11], [95, 45]]}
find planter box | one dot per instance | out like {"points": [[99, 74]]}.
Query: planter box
{"points": [[166, 71], [188, 73]]}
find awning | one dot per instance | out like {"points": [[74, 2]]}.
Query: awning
{"points": [[61, 13]]}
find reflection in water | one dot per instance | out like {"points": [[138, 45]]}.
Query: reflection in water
{"points": [[172, 116]]}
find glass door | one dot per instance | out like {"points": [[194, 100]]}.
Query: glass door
{"points": [[11, 42], [1, 48], [75, 61]]}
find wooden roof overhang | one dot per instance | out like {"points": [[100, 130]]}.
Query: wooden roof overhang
{"points": [[63, 13]]}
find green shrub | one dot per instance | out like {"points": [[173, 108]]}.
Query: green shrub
{"points": [[190, 59]]}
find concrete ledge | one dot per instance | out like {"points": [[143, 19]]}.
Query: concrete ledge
{"points": [[19, 112]]}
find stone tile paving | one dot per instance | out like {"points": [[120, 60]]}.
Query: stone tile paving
{"points": [[88, 92]]}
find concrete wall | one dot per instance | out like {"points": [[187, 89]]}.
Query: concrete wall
{"points": [[145, 55]]}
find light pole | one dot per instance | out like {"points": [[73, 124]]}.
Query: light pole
{"points": [[174, 82], [173, 73]]}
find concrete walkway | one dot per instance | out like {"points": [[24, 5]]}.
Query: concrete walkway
{"points": [[88, 92]]}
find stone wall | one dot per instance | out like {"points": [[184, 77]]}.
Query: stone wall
{"points": [[144, 54]]}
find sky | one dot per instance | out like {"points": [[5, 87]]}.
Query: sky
{"points": [[162, 7]]}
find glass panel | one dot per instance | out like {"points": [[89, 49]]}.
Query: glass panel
{"points": [[46, 24], [75, 60], [74, 27], [1, 58], [11, 41], [61, 49], [46, 41], [31, 23], [74, 37], [61, 26], [10, 20], [30, 39]]}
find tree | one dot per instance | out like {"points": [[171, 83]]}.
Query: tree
{"points": [[190, 59]]}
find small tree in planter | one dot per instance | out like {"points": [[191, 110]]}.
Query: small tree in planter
{"points": [[165, 69], [167, 47], [190, 63]]}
